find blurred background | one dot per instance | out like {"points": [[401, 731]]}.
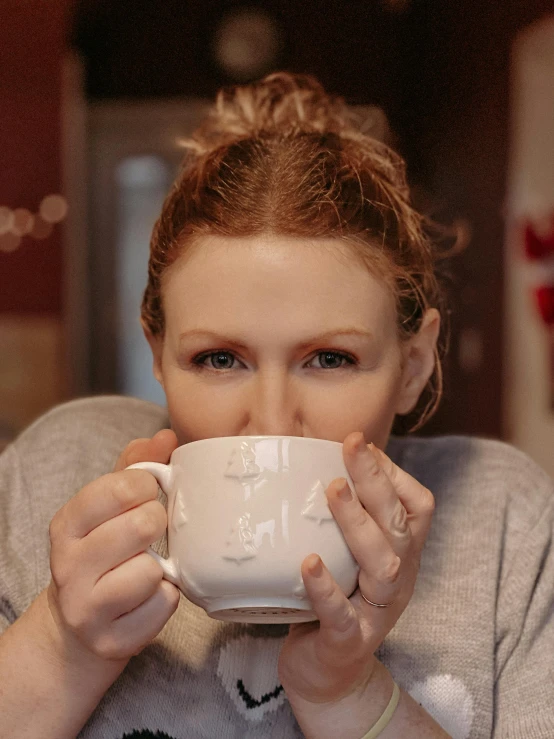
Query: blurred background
{"points": [[95, 94]]}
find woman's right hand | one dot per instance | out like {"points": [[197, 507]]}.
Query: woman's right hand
{"points": [[107, 595]]}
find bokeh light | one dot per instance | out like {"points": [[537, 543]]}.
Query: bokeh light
{"points": [[247, 43], [6, 219], [19, 222], [53, 208], [22, 222]]}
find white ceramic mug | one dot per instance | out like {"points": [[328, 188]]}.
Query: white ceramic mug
{"points": [[243, 513]]}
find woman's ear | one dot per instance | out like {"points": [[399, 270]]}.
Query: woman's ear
{"points": [[419, 353], [156, 345]]}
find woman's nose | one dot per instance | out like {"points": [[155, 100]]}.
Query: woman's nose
{"points": [[274, 407]]}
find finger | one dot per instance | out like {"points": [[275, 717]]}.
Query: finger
{"points": [[133, 631], [104, 499], [377, 493], [340, 627], [157, 449], [122, 537], [126, 587], [380, 565], [416, 498]]}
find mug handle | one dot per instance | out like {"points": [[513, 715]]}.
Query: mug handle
{"points": [[162, 473]]}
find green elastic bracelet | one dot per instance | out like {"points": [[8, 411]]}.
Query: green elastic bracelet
{"points": [[386, 716]]}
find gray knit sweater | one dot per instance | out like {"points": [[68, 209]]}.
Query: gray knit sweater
{"points": [[475, 645]]}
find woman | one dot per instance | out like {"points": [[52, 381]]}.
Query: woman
{"points": [[290, 291]]}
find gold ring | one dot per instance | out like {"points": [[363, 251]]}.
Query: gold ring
{"points": [[377, 605]]}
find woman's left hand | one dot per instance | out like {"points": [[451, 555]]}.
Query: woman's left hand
{"points": [[385, 525]]}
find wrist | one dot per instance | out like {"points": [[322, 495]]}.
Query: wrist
{"points": [[351, 715], [67, 653], [50, 685]]}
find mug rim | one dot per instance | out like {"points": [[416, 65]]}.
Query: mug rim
{"points": [[255, 437]]}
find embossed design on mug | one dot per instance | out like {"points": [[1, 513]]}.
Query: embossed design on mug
{"points": [[240, 544], [242, 462], [179, 518], [316, 506]]}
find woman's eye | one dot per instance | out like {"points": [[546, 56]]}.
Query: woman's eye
{"points": [[333, 360], [218, 360]]}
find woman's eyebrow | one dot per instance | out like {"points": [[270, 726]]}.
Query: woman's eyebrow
{"points": [[326, 336]]}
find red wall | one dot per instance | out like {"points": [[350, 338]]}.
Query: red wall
{"points": [[32, 37]]}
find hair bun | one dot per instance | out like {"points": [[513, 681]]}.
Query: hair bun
{"points": [[281, 103]]}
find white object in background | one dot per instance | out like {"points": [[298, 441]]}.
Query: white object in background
{"points": [[143, 182], [528, 420], [531, 180]]}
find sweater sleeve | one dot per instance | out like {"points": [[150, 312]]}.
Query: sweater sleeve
{"points": [[50, 461], [18, 581], [524, 700]]}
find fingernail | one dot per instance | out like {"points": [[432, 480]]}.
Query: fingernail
{"points": [[379, 456], [360, 444], [316, 566], [344, 492]]}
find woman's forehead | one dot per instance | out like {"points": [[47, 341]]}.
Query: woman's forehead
{"points": [[268, 255], [276, 279]]}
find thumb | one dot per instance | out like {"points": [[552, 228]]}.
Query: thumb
{"points": [[157, 449]]}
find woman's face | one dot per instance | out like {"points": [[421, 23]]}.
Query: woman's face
{"points": [[284, 336]]}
